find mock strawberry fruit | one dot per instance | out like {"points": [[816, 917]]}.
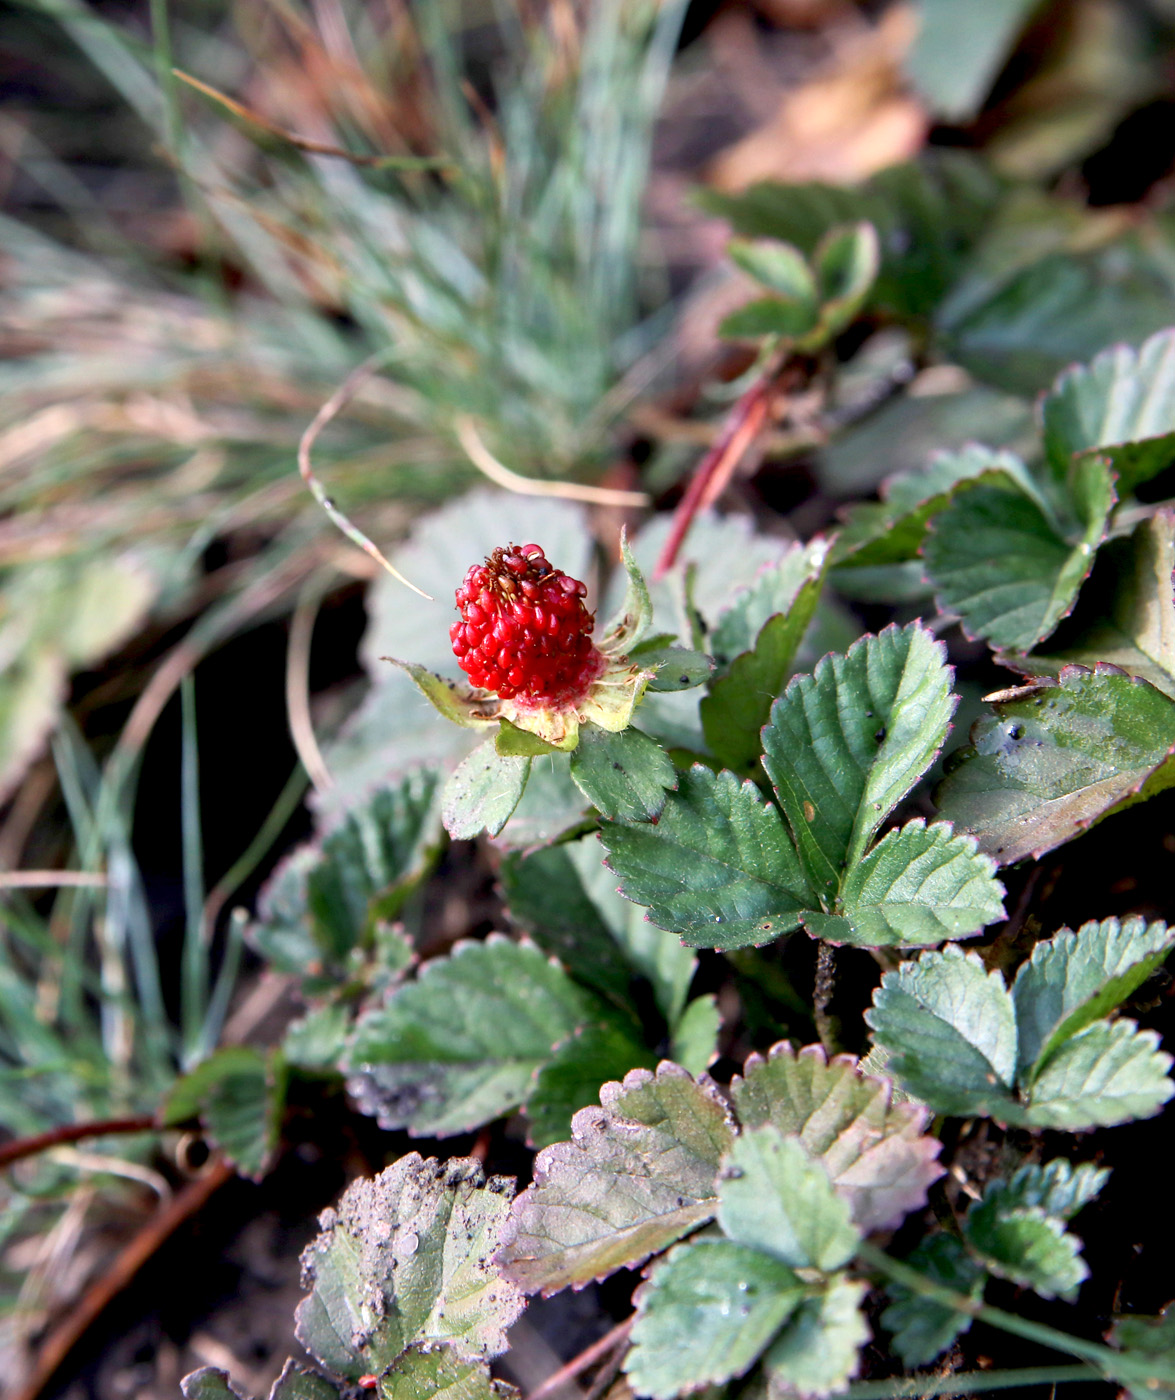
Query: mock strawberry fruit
{"points": [[525, 632]]}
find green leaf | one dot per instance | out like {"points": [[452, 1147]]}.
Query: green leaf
{"points": [[846, 260], [1111, 1072], [1018, 1228], [1055, 757], [635, 615], [1073, 979], [550, 807], [718, 867], [460, 1045], [778, 266], [920, 884], [847, 743], [773, 1195], [405, 1258], [958, 53], [56, 616], [625, 776], [817, 1352], [874, 1150], [1148, 1353], [546, 897], [321, 908], [315, 1042], [483, 791], [638, 1173], [296, 1383], [571, 1079], [238, 1093], [950, 1029], [892, 532], [706, 1314], [762, 632], [209, 1384], [999, 561], [773, 316], [922, 1328], [1126, 613], [652, 952], [927, 215], [1121, 406], [695, 1036], [438, 1373]]}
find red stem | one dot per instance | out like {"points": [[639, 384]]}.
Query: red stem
{"points": [[72, 1132], [743, 425]]}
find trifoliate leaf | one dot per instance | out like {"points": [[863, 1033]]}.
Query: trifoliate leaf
{"points": [[438, 1373], [1111, 1072], [922, 1328], [1120, 406], [775, 1196], [708, 1311], [1018, 1228], [718, 867], [950, 1029], [847, 743], [760, 635], [625, 776], [404, 1259], [817, 1352], [920, 884], [874, 1151], [321, 907], [1002, 563], [1055, 757], [483, 791], [1073, 979], [571, 1078], [638, 1173], [1126, 613], [694, 1045], [460, 1045], [546, 898], [238, 1094]]}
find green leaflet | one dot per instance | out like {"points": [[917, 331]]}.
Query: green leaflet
{"points": [[460, 1045], [847, 743], [483, 791], [718, 856], [1057, 755], [238, 1094], [1040, 1055], [625, 775]]}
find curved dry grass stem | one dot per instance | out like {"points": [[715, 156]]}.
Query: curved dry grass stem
{"points": [[298, 684], [51, 879], [486, 463], [341, 397]]}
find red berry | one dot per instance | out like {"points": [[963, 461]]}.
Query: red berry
{"points": [[525, 631]]}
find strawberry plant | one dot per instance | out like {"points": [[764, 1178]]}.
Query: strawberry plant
{"points": [[724, 948]]}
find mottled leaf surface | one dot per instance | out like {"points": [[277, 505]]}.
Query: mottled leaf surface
{"points": [[638, 1173], [875, 1152], [775, 1196], [1055, 756], [706, 1314], [461, 1044]]}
